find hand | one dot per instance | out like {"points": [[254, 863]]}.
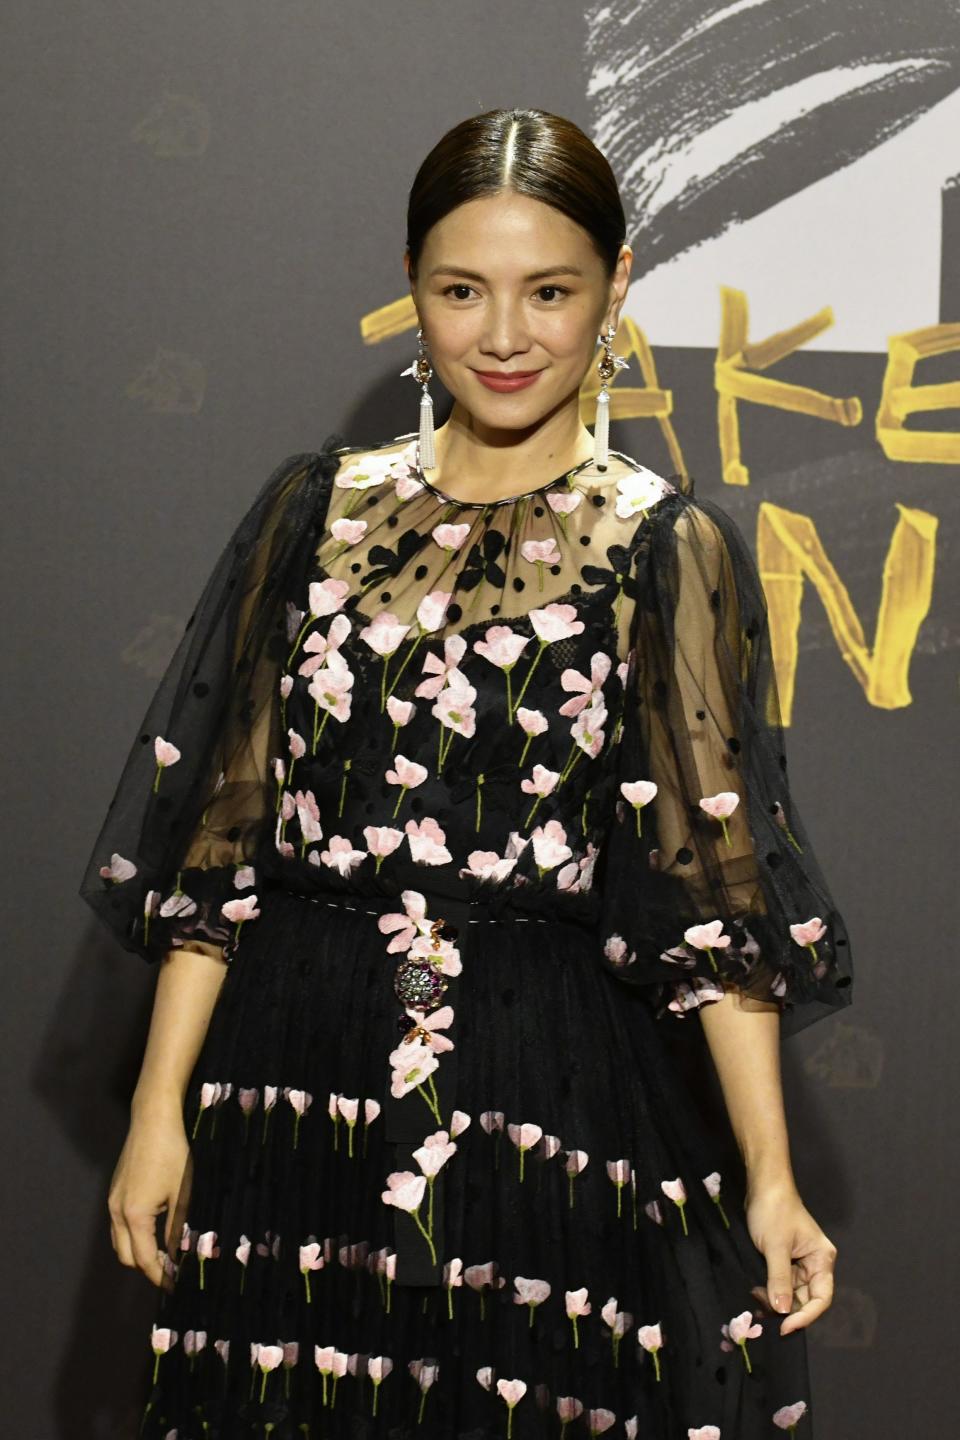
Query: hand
{"points": [[800, 1258], [152, 1176]]}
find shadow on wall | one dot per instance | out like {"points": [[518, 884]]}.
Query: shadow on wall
{"points": [[86, 1069]]}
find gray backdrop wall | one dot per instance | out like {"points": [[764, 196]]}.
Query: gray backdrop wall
{"points": [[202, 254]]}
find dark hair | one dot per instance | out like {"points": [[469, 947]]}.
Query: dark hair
{"points": [[531, 152]]}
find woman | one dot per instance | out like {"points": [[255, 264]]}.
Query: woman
{"points": [[465, 781]]}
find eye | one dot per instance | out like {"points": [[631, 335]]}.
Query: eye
{"points": [[558, 290]]}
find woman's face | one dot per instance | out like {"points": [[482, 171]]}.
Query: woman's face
{"points": [[508, 284]]}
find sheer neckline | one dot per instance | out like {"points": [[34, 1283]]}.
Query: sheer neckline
{"points": [[504, 499]]}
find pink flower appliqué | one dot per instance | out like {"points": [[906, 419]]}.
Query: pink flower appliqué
{"points": [[118, 870], [320, 647], [809, 933], [426, 840], [512, 1391], [552, 623], [382, 840], [530, 1293], [408, 774], [577, 1304], [619, 1172], [619, 1322], [549, 845], [524, 1137], [676, 1191], [326, 597], [720, 807], [540, 553], [707, 937], [541, 784], [788, 1417], [585, 688], [450, 537], [240, 911], [651, 1339], [166, 754], [437, 670], [638, 793], [741, 1329]]}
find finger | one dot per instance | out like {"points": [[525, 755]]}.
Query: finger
{"points": [[805, 1315], [143, 1239], [780, 1278], [120, 1239], [821, 1297], [177, 1206]]}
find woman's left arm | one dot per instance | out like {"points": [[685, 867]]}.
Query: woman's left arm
{"points": [[743, 1036]]}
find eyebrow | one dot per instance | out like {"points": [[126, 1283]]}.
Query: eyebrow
{"points": [[475, 275]]}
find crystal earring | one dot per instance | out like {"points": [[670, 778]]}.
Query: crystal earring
{"points": [[607, 366], [422, 370]]}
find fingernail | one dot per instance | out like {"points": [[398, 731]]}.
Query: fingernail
{"points": [[782, 1302]]}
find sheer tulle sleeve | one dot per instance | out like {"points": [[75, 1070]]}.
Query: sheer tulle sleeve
{"points": [[711, 880], [175, 861]]}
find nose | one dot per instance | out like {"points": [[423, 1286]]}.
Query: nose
{"points": [[506, 332]]}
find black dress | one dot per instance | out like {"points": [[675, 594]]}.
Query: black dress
{"points": [[477, 798]]}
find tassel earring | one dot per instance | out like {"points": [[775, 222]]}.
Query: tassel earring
{"points": [[607, 367], [422, 370]]}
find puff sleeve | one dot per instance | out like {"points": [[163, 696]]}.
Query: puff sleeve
{"points": [[712, 882], [175, 860]]}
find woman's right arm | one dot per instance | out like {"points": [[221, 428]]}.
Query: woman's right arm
{"points": [[149, 1174]]}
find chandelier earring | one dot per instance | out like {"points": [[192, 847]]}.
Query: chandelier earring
{"points": [[422, 370], [607, 366]]}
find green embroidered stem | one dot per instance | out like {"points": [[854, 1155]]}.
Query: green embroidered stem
{"points": [[403, 791], [432, 1103], [523, 689], [408, 657], [532, 811], [343, 786]]}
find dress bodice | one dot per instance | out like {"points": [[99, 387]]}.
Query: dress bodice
{"points": [[455, 684]]}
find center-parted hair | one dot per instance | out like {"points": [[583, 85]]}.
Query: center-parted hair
{"points": [[531, 152]]}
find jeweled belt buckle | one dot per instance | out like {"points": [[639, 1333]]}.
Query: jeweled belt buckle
{"points": [[420, 983]]}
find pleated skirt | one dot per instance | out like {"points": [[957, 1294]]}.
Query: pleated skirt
{"points": [[537, 1240]]}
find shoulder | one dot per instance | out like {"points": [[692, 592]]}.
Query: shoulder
{"points": [[697, 540], [356, 460]]}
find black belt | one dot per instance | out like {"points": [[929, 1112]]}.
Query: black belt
{"points": [[408, 1119]]}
